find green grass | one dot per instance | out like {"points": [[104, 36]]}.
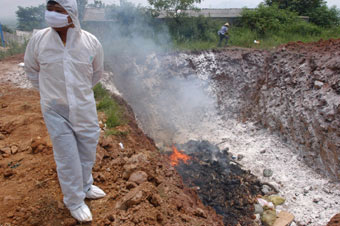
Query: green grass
{"points": [[244, 37], [106, 104], [14, 48]]}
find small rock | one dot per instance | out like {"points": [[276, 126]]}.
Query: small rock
{"points": [[6, 150], [306, 190], [111, 218], [318, 84], [200, 213], [240, 157], [2, 137], [10, 215], [276, 200], [156, 200], [268, 217], [258, 209], [138, 177], [263, 151], [267, 172], [8, 173], [14, 149], [4, 105], [257, 220], [266, 189], [134, 197]]}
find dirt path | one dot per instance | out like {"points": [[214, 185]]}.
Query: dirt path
{"points": [[142, 188]]}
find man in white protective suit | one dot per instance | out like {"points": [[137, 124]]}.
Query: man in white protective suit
{"points": [[64, 63]]}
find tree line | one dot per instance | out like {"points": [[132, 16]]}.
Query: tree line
{"points": [[270, 18]]}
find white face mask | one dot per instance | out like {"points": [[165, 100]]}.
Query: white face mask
{"points": [[56, 20]]}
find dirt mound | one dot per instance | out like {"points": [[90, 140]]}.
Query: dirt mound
{"points": [[322, 46], [142, 188]]}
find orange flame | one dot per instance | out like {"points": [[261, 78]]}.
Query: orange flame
{"points": [[177, 156]]}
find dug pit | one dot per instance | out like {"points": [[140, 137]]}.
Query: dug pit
{"points": [[279, 109]]}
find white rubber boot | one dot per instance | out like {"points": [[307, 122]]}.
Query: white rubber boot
{"points": [[95, 193], [82, 214]]}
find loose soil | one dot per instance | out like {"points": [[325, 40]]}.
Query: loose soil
{"points": [[142, 188]]}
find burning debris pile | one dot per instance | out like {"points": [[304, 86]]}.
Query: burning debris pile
{"points": [[220, 183]]}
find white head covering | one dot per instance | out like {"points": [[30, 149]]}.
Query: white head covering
{"points": [[72, 9]]}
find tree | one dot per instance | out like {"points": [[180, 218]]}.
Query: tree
{"points": [[317, 10], [5, 28], [97, 4], [30, 18], [81, 8], [302, 7], [173, 5]]}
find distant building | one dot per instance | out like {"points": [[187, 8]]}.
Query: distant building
{"points": [[93, 15]]}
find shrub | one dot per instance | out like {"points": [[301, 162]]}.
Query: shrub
{"points": [[12, 49], [267, 19], [107, 105]]}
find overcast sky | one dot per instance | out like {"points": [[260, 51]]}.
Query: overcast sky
{"points": [[8, 7]]}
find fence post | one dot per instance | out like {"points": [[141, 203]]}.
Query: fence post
{"points": [[2, 36]]}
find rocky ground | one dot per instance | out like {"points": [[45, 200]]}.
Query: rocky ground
{"points": [[142, 188]]}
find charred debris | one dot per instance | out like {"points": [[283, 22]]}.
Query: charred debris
{"points": [[219, 181]]}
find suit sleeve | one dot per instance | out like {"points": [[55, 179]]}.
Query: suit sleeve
{"points": [[98, 65], [32, 67]]}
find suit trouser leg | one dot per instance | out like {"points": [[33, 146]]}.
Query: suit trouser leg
{"points": [[67, 159], [87, 145]]}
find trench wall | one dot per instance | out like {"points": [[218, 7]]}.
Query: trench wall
{"points": [[295, 94]]}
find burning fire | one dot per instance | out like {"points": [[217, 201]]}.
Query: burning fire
{"points": [[177, 156]]}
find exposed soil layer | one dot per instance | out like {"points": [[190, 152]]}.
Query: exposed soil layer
{"points": [[142, 188]]}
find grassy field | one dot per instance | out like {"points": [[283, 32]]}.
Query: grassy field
{"points": [[244, 37], [12, 49]]}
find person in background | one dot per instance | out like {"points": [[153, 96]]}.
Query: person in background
{"points": [[64, 63], [223, 34]]}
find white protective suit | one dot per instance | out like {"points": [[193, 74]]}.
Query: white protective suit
{"points": [[65, 76]]}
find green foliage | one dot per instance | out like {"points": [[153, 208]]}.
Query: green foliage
{"points": [[5, 28], [30, 18], [81, 8], [99, 92], [172, 5], [300, 6], [316, 10], [107, 105], [97, 4], [324, 16], [187, 29], [114, 117], [13, 48], [268, 19]]}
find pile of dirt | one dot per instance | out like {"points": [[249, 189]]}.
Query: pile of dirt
{"points": [[322, 46], [142, 188]]}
